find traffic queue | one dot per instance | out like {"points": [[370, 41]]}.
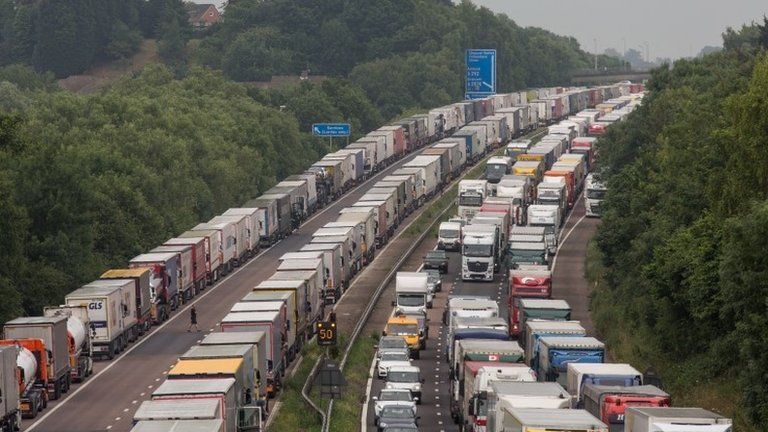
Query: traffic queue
{"points": [[524, 364], [99, 320]]}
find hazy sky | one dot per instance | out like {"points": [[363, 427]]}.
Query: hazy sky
{"points": [[672, 28]]}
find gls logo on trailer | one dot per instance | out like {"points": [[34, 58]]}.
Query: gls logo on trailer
{"points": [[97, 305]]}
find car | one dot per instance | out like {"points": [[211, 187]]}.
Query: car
{"points": [[406, 377], [389, 397], [397, 416], [436, 259], [388, 359], [409, 428], [391, 343], [434, 280]]}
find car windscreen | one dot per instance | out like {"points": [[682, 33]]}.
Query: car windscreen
{"points": [[403, 377], [395, 411], [403, 396], [402, 329], [394, 356]]}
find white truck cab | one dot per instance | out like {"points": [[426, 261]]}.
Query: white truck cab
{"points": [[594, 191], [548, 217], [478, 253], [411, 293]]}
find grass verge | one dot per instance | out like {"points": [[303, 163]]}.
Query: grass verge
{"points": [[295, 414]]}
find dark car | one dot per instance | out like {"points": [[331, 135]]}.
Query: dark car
{"points": [[436, 259], [397, 416], [411, 428]]}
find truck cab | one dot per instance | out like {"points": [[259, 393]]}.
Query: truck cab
{"points": [[471, 196], [478, 254], [408, 328], [552, 194], [610, 403], [593, 195], [530, 281], [411, 293], [497, 167]]}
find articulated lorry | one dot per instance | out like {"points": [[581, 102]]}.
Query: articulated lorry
{"points": [[642, 419], [544, 420], [557, 352], [609, 374], [79, 333], [479, 377], [471, 196], [478, 256], [506, 396], [10, 412], [610, 403]]}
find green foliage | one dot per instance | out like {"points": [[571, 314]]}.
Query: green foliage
{"points": [[67, 37], [683, 284], [88, 182], [405, 54]]}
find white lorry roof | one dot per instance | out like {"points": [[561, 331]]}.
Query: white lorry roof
{"points": [[564, 418], [544, 304], [194, 386], [213, 425]]}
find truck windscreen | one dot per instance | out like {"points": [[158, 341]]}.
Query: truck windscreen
{"points": [[410, 299], [470, 199], [595, 193], [478, 250]]}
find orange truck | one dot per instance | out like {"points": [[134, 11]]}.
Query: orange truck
{"points": [[32, 363]]}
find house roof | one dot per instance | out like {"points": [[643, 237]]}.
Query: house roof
{"points": [[196, 11]]}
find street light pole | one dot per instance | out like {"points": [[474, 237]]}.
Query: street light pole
{"points": [[595, 41]]}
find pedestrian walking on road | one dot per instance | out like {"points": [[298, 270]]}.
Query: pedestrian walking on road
{"points": [[192, 319]]}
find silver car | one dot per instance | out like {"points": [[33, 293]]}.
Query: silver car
{"points": [[387, 359], [389, 397]]}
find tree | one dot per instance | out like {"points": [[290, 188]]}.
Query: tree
{"points": [[172, 44], [256, 55], [123, 42]]}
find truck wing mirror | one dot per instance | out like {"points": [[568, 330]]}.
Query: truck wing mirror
{"points": [[394, 303]]}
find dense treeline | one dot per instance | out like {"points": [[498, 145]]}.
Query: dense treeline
{"points": [[86, 182], [685, 283], [66, 37], [404, 53]]}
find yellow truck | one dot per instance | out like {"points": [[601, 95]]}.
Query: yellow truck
{"points": [[408, 328], [530, 168]]}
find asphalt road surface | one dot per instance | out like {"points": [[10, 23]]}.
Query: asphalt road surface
{"points": [[569, 284], [108, 400]]}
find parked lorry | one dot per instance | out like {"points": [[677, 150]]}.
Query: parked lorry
{"points": [[430, 173], [340, 275], [594, 191], [187, 289], [365, 224], [530, 281], [565, 178], [497, 167], [274, 328], [471, 196], [250, 388], [247, 414], [52, 331], [192, 409], [611, 374], [255, 218], [297, 316], [506, 396], [200, 273], [650, 419], [242, 241], [212, 251], [479, 350], [411, 293], [478, 381], [32, 371], [535, 329], [478, 255], [163, 282], [544, 419], [586, 146], [313, 306], [257, 342], [550, 218], [609, 403], [78, 338], [552, 194], [10, 404], [113, 321], [456, 156], [557, 352], [520, 188], [269, 232], [523, 309], [141, 283], [227, 246]]}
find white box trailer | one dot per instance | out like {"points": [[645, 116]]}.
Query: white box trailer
{"points": [[412, 182], [254, 217], [179, 426], [483, 141], [456, 155], [353, 240], [546, 419], [347, 253], [331, 269], [268, 223], [309, 264], [299, 194], [221, 390], [333, 258], [314, 306], [109, 309], [536, 328], [641, 419], [348, 173], [240, 234], [189, 409], [389, 142], [371, 161], [430, 172], [365, 225], [506, 396], [255, 341], [418, 181], [389, 202], [228, 241], [296, 312], [273, 325], [385, 223], [607, 374]]}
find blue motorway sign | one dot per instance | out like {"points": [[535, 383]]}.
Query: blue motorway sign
{"points": [[481, 73], [331, 129]]}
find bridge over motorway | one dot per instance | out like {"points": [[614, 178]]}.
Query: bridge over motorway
{"points": [[607, 76]]}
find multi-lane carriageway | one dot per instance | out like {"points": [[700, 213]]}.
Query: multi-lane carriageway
{"points": [[568, 284], [108, 400]]}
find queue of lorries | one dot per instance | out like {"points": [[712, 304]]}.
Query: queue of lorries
{"points": [[535, 370], [42, 356]]}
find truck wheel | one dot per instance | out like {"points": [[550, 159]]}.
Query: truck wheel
{"points": [[56, 390], [417, 355]]}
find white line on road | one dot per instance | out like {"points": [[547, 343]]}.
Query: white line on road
{"points": [[562, 242]]}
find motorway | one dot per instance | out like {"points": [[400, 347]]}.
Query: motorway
{"points": [[108, 400], [569, 284]]}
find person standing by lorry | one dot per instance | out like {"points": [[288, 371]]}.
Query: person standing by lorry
{"points": [[193, 320]]}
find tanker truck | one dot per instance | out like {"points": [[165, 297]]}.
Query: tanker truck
{"points": [[31, 389], [79, 333]]}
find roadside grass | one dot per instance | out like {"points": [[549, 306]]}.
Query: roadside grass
{"points": [[688, 383], [295, 414], [346, 411]]}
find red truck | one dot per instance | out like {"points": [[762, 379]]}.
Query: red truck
{"points": [[608, 403], [596, 129], [141, 279], [200, 269], [530, 281], [585, 146]]}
